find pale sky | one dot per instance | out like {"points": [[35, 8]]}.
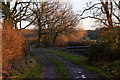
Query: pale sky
{"points": [[80, 5]]}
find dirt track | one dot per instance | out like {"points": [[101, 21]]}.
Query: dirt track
{"points": [[48, 68], [74, 70]]}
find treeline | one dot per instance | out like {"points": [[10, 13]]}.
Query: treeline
{"points": [[93, 34], [62, 39]]}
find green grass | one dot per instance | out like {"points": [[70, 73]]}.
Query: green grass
{"points": [[49, 50], [114, 67], [33, 71], [81, 61], [33, 46], [60, 68]]}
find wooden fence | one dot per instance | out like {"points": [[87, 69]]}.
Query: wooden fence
{"points": [[81, 49]]}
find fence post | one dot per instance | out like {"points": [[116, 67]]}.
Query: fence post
{"points": [[30, 50]]}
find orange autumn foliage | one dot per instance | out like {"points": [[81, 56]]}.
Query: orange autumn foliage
{"points": [[75, 37], [61, 41], [12, 50]]}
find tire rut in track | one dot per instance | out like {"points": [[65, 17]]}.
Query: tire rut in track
{"points": [[48, 70], [74, 70]]}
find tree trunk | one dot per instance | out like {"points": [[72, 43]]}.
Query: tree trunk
{"points": [[54, 40], [39, 31], [107, 12], [8, 23], [16, 26], [39, 35]]}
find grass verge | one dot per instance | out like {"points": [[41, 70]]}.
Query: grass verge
{"points": [[33, 70]]}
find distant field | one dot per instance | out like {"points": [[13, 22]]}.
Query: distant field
{"points": [[30, 34]]}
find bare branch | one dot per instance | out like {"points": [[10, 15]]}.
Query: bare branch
{"points": [[97, 19], [29, 24], [88, 8]]}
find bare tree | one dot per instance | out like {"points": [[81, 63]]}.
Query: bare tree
{"points": [[14, 14], [105, 11], [53, 18]]}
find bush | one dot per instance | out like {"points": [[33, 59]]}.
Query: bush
{"points": [[61, 41], [81, 43], [114, 68], [13, 44], [107, 49], [96, 53], [115, 65]]}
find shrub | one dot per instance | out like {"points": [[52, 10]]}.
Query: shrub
{"points": [[61, 41], [114, 68], [12, 50], [81, 43], [115, 65], [107, 49], [96, 53]]}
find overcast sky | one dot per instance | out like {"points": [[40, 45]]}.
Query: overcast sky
{"points": [[80, 5]]}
